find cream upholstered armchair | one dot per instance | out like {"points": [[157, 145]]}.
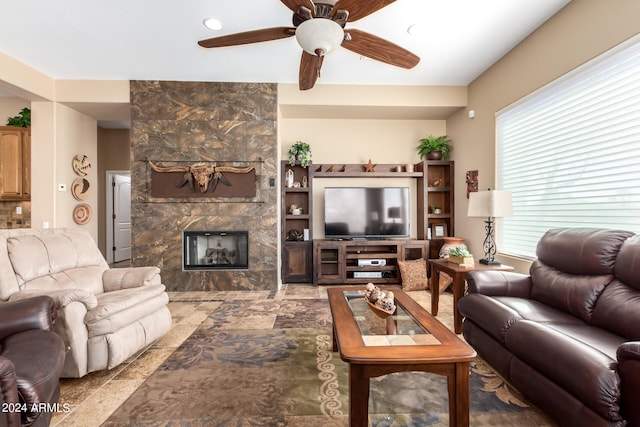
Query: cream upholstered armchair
{"points": [[104, 315]]}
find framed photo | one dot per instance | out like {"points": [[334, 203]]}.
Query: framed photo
{"points": [[438, 230]]}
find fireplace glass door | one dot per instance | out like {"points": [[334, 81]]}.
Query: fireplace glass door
{"points": [[215, 250]]}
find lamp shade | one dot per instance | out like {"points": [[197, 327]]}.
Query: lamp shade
{"points": [[490, 203], [319, 36]]}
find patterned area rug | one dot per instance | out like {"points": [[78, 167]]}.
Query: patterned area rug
{"points": [[269, 363]]}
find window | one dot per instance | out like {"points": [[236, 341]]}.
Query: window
{"points": [[570, 152]]}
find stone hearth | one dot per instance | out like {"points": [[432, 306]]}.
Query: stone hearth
{"points": [[219, 124]]}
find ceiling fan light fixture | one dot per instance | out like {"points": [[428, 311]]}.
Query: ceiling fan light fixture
{"points": [[319, 36]]}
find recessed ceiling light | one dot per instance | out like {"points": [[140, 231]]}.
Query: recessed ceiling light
{"points": [[416, 29], [212, 24]]}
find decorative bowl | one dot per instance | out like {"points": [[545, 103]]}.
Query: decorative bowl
{"points": [[379, 311]]}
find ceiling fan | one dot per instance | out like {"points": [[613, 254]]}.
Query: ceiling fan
{"points": [[319, 29]]}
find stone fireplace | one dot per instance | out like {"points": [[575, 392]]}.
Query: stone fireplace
{"points": [[218, 124], [215, 250]]}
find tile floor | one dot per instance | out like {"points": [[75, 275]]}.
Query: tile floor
{"points": [[93, 398]]}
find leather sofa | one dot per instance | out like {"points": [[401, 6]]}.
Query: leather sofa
{"points": [[104, 315], [567, 335], [31, 360]]}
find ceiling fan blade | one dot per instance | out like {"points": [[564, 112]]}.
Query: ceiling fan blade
{"points": [[309, 70], [248, 37], [295, 4], [358, 9], [374, 47]]}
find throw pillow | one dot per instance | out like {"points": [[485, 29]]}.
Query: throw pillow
{"points": [[414, 274]]}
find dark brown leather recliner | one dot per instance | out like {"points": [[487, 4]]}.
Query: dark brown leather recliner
{"points": [[31, 361], [568, 334]]}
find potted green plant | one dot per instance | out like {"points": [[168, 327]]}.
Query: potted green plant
{"points": [[435, 209], [300, 151], [460, 255], [435, 147], [22, 120]]}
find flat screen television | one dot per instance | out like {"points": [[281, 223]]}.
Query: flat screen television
{"points": [[366, 212]]}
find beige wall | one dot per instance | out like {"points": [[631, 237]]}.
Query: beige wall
{"points": [[75, 134], [58, 133], [579, 32], [43, 171], [11, 107], [24, 81]]}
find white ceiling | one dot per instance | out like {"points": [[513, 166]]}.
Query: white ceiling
{"points": [[156, 40]]}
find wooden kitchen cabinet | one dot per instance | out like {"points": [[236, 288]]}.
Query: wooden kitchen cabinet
{"points": [[15, 163]]}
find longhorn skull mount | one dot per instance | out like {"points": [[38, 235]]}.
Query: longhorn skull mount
{"points": [[202, 174]]}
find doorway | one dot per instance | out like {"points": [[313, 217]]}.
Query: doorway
{"points": [[118, 230]]}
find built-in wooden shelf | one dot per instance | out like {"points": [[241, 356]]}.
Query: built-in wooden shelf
{"points": [[359, 171], [335, 262]]}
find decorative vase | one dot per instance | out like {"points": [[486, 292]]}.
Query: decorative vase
{"points": [[289, 178], [434, 155], [450, 243]]}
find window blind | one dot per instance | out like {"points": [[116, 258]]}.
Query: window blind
{"points": [[570, 152]]}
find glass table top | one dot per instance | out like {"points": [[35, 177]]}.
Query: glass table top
{"points": [[398, 329]]}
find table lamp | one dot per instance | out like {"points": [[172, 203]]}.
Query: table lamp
{"points": [[490, 204]]}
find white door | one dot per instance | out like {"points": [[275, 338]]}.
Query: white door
{"points": [[121, 218]]}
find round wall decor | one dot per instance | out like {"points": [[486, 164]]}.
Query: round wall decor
{"points": [[81, 164], [80, 189], [82, 213]]}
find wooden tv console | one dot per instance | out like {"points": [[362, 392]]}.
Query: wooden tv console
{"points": [[301, 253], [340, 262]]}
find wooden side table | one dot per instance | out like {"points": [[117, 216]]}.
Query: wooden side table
{"points": [[459, 276]]}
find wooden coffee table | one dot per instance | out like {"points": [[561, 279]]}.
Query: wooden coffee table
{"points": [[410, 340]]}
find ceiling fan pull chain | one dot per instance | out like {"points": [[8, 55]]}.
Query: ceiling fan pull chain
{"points": [[319, 54]]}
